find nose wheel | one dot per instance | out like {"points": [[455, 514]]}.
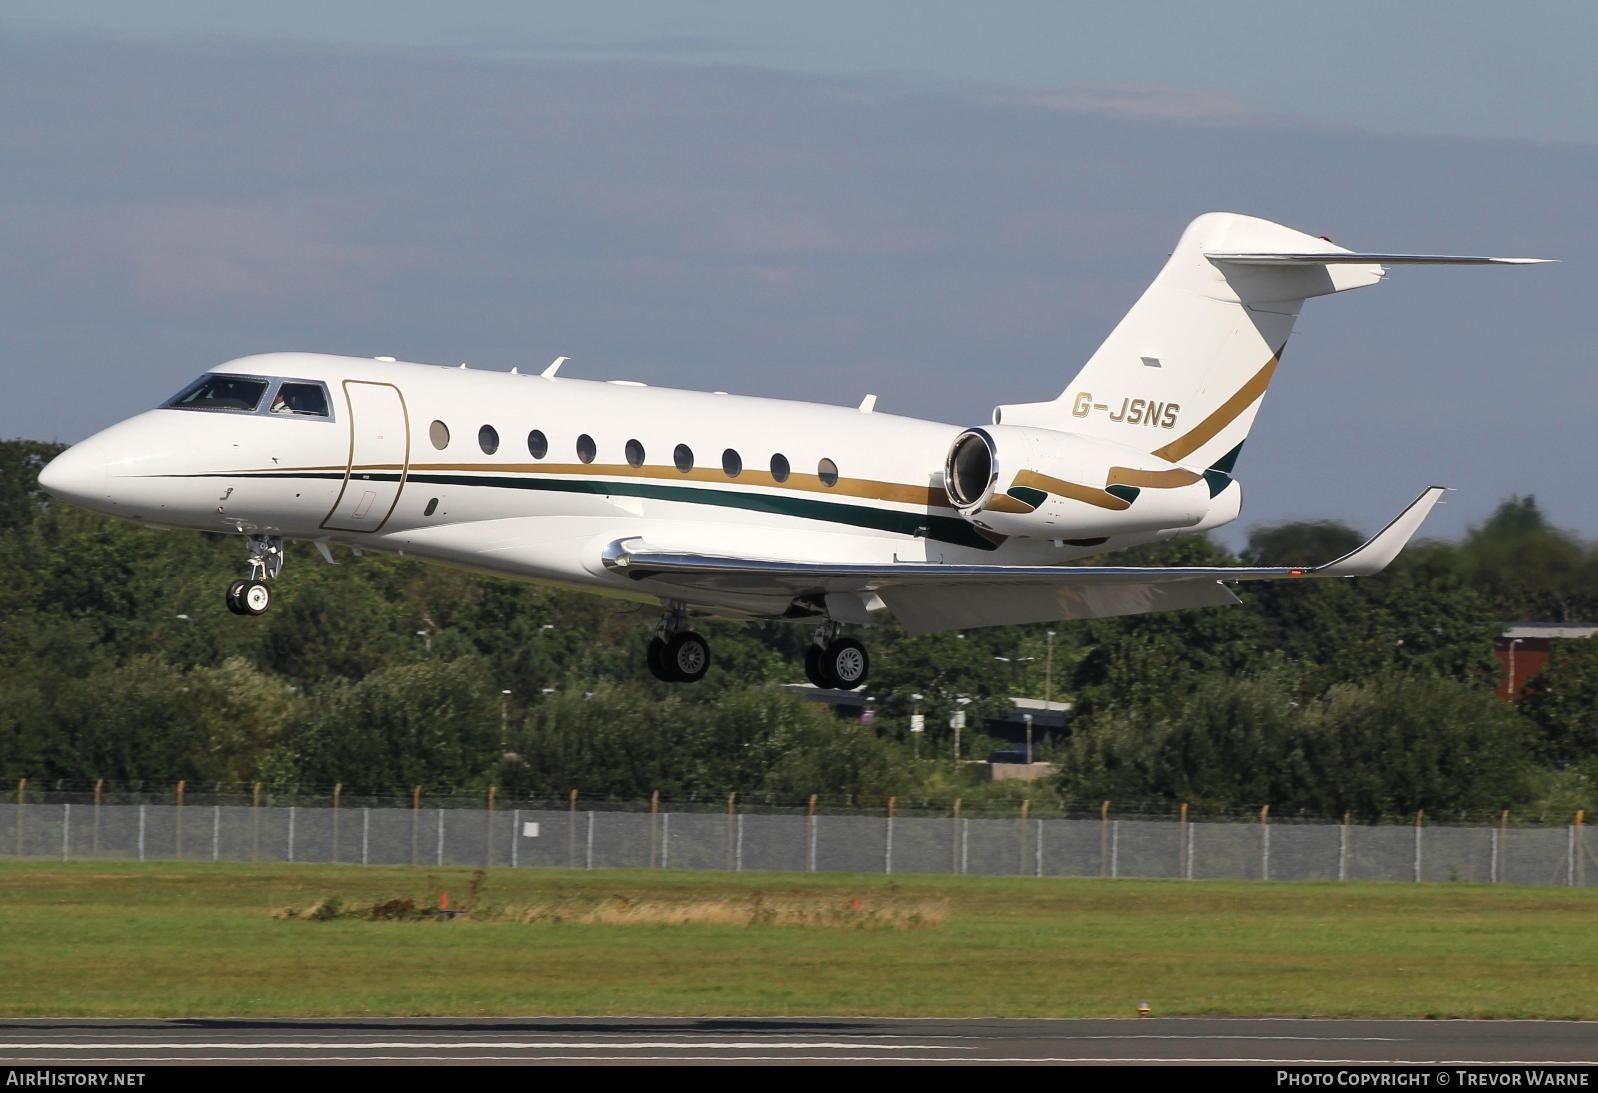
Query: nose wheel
{"points": [[249, 597], [252, 596]]}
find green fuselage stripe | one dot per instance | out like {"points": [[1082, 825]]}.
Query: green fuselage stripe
{"points": [[945, 529]]}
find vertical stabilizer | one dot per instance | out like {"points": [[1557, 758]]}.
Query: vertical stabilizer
{"points": [[1183, 374]]}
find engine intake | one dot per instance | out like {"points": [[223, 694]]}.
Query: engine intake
{"points": [[1022, 481]]}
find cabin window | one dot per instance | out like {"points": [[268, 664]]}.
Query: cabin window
{"points": [[586, 448], [432, 507], [438, 433], [779, 467], [635, 454], [213, 392], [683, 456], [537, 444], [827, 471], [732, 463], [488, 439], [302, 399]]}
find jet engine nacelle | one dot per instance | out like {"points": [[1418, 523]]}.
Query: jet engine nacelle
{"points": [[1014, 480]]}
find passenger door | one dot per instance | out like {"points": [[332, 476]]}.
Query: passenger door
{"points": [[380, 452]]}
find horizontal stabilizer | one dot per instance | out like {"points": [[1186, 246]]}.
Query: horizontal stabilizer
{"points": [[1350, 258]]}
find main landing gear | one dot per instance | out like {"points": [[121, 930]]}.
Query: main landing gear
{"points": [[252, 596], [679, 655], [834, 662]]}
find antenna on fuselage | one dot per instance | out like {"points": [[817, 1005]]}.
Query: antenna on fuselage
{"points": [[554, 366]]}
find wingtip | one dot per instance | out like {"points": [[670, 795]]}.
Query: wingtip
{"points": [[1377, 553]]}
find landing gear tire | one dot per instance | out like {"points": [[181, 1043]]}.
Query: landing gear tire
{"points": [[235, 593], [815, 670], [686, 656], [255, 598], [847, 662], [655, 655]]}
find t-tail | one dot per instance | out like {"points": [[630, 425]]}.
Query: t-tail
{"points": [[1183, 374]]}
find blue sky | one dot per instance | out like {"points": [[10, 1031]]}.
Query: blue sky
{"points": [[946, 208]]}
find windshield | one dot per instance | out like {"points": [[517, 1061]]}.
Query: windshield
{"points": [[214, 392]]}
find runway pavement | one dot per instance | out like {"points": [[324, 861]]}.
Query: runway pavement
{"points": [[655, 1041]]}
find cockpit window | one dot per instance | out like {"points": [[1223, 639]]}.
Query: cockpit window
{"points": [[213, 392], [307, 399]]}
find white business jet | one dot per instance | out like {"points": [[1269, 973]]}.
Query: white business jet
{"points": [[728, 505]]}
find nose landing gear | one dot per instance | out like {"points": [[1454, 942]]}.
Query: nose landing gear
{"points": [[252, 596]]}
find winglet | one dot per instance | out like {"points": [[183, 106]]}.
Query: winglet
{"points": [[1384, 546], [554, 366]]}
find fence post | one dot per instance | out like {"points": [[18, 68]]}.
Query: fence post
{"points": [[956, 856], [99, 792], [181, 784], [654, 829], [338, 793], [438, 857], [887, 852], [571, 832], [810, 835], [665, 840], [1503, 845], [1420, 823], [738, 857], [1581, 852], [588, 858], [366, 834], [292, 810], [1342, 849], [255, 823], [732, 833], [1020, 865], [1038, 847], [22, 802], [141, 831], [515, 835], [66, 830], [416, 821], [1265, 842], [216, 832], [1570, 854], [1104, 839], [1115, 848], [1181, 843], [488, 831], [1189, 874]]}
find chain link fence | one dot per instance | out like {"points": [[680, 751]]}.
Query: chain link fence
{"points": [[583, 838]]}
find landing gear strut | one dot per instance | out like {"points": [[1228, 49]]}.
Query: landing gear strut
{"points": [[677, 654], [835, 662], [252, 596]]}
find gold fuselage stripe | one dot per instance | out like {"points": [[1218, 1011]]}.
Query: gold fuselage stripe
{"points": [[1228, 412], [1088, 494], [1172, 479]]}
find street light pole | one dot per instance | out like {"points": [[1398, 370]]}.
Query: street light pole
{"points": [[1512, 643]]}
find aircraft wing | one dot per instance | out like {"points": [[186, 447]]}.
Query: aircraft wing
{"points": [[926, 597]]}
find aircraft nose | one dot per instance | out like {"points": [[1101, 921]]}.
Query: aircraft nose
{"points": [[78, 475]]}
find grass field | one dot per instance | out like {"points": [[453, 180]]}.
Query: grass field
{"points": [[116, 939]]}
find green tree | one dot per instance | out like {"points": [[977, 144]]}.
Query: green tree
{"points": [[1563, 701]]}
